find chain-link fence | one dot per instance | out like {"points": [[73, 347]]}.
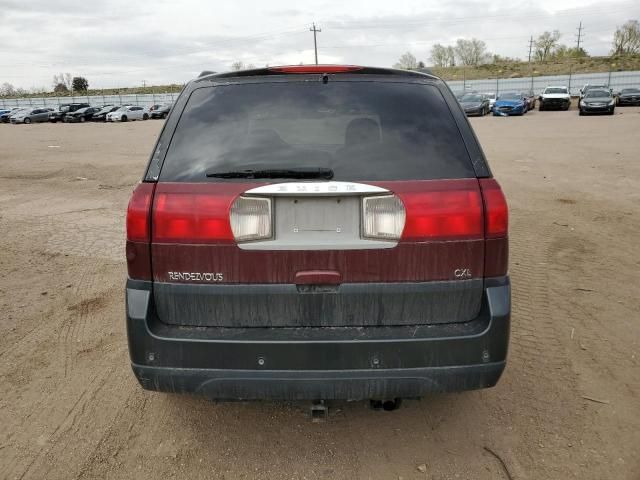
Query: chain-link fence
{"points": [[615, 80], [145, 100]]}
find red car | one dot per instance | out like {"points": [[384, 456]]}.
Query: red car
{"points": [[317, 232]]}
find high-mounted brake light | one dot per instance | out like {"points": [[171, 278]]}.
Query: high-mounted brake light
{"points": [[316, 69]]}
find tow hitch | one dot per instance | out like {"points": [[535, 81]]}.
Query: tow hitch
{"points": [[319, 411]]}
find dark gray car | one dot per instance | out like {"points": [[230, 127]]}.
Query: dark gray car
{"points": [[475, 104], [597, 101]]}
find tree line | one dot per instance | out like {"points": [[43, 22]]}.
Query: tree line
{"points": [[62, 83], [547, 47]]}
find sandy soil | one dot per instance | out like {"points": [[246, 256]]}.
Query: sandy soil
{"points": [[568, 405]]}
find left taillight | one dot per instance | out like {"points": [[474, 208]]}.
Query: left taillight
{"points": [[139, 232]]}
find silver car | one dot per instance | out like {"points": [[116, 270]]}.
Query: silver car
{"points": [[31, 115]]}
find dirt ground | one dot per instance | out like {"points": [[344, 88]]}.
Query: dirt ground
{"points": [[568, 405]]}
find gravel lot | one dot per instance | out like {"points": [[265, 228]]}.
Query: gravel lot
{"points": [[568, 405]]}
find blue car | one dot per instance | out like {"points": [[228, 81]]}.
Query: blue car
{"points": [[510, 103]]}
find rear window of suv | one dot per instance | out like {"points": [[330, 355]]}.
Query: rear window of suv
{"points": [[362, 130]]}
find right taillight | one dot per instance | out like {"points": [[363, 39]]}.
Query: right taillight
{"points": [[496, 256], [251, 219], [383, 217], [442, 210], [495, 207]]}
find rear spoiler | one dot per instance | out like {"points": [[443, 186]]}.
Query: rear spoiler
{"points": [[320, 69]]}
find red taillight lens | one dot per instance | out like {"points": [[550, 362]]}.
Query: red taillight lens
{"points": [[496, 257], [138, 217], [496, 210], [316, 69], [443, 210], [192, 218], [138, 232]]}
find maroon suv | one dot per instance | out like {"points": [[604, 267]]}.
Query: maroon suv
{"points": [[317, 232]]}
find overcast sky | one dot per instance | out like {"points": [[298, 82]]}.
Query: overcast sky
{"points": [[118, 43]]}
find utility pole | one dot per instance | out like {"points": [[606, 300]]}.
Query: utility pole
{"points": [[579, 36], [315, 42], [144, 83], [578, 41]]}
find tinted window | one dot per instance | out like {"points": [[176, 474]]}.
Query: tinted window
{"points": [[361, 130], [597, 94]]}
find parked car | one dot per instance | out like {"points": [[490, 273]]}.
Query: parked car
{"points": [[629, 96], [555, 98], [530, 97], [154, 107], [31, 115], [101, 115], [126, 113], [588, 87], [597, 101], [5, 117], [296, 239], [81, 115], [475, 104], [492, 99], [162, 111], [510, 103], [58, 116]]}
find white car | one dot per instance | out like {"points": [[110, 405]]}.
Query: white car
{"points": [[555, 97], [492, 99], [130, 112]]}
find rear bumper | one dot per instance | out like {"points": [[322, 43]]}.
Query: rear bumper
{"points": [[600, 109], [319, 363], [555, 103]]}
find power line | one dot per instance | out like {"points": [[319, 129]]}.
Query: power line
{"points": [[315, 42]]}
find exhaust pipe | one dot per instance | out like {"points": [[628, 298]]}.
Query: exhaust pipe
{"points": [[388, 405]]}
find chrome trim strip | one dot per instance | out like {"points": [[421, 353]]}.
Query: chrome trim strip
{"points": [[315, 188]]}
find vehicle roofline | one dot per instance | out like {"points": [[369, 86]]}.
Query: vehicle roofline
{"points": [[276, 70]]}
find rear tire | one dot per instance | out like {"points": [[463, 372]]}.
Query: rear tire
{"points": [[124, 118], [164, 115], [145, 116], [27, 121], [612, 111], [82, 119]]}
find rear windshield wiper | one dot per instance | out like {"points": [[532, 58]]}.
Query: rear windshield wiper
{"points": [[311, 172]]}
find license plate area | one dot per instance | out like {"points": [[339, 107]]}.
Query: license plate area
{"points": [[317, 223]]}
